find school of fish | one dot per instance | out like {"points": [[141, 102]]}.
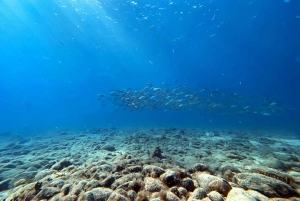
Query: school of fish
{"points": [[183, 98]]}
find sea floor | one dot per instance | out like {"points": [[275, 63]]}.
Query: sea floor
{"points": [[151, 164]]}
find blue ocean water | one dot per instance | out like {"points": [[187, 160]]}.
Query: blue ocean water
{"points": [[57, 55]]}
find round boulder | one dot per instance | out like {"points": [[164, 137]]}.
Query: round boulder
{"points": [[170, 178], [212, 183]]}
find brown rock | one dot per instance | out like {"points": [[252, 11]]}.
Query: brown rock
{"points": [[199, 167], [172, 197], [132, 169], [156, 152], [20, 182], [107, 181], [188, 184], [47, 193], [97, 194], [126, 178], [134, 185], [170, 178], [154, 185], [257, 195], [68, 198], [182, 192], [239, 194], [132, 195], [57, 183], [65, 190], [175, 191], [228, 171], [198, 193], [215, 196], [118, 195], [43, 173], [152, 171], [274, 174], [142, 196], [76, 190], [92, 184], [212, 183], [266, 185], [275, 164]]}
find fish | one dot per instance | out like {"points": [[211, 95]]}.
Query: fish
{"points": [[183, 98]]}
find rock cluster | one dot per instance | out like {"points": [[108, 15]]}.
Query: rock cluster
{"points": [[156, 164], [103, 181]]}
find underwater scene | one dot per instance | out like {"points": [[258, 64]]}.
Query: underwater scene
{"points": [[138, 100]]}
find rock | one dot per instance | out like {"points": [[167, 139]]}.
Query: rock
{"points": [[38, 186], [126, 178], [10, 173], [212, 183], [97, 147], [107, 181], [172, 196], [97, 194], [32, 169], [20, 182], [156, 152], [142, 196], [4, 185], [58, 197], [177, 136], [27, 192], [198, 193], [28, 176], [215, 196], [182, 192], [132, 195], [225, 167], [131, 185], [286, 156], [199, 167], [188, 184], [47, 193], [61, 164], [92, 184], [119, 168], [274, 174], [42, 174], [66, 189], [108, 147], [235, 156], [106, 167], [152, 171], [119, 195], [175, 191], [275, 164], [258, 196], [132, 169], [170, 178], [154, 185], [238, 194], [266, 185]]}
